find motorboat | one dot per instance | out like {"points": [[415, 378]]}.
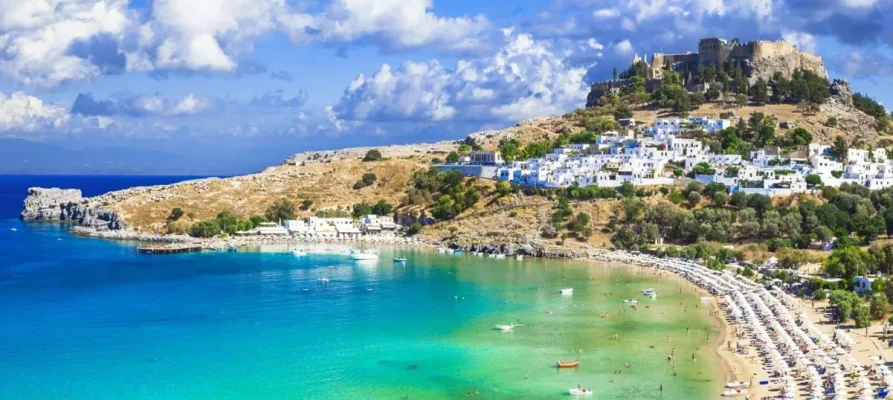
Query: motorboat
{"points": [[505, 328], [305, 290], [457, 252], [734, 393], [363, 256], [631, 301], [568, 364], [299, 252], [13, 229], [500, 256], [369, 289], [519, 257], [400, 259], [649, 292], [738, 385], [443, 250], [567, 291], [323, 280], [580, 392]]}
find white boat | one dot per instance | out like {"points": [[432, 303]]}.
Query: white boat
{"points": [[323, 280], [13, 229], [298, 252], [738, 385], [519, 257], [649, 292], [500, 256], [631, 301], [580, 392], [363, 256], [400, 259], [443, 250], [735, 393], [567, 291], [505, 328]]}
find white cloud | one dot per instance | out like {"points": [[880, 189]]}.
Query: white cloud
{"points": [[135, 105], [804, 41], [36, 37], [623, 47], [21, 112], [525, 78], [397, 24], [604, 13]]}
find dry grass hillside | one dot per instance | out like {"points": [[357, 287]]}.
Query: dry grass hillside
{"points": [[851, 123], [327, 184]]}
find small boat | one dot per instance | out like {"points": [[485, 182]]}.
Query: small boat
{"points": [[500, 256], [580, 392], [400, 259], [505, 328], [363, 256], [737, 385], [568, 364], [457, 252], [734, 393], [519, 257], [305, 290], [13, 229], [442, 250], [566, 291], [631, 301], [323, 280], [298, 252], [649, 292], [369, 289]]}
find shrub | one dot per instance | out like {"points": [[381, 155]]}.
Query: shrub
{"points": [[879, 306], [204, 229], [452, 158], [305, 205], [175, 215], [414, 229], [280, 210], [372, 155]]}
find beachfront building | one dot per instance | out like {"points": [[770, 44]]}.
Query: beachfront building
{"points": [[270, 229], [862, 284]]}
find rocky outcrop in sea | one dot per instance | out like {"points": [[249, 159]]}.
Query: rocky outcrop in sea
{"points": [[54, 204]]}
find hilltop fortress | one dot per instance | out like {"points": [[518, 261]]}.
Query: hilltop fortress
{"points": [[758, 59]]}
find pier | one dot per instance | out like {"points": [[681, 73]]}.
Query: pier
{"points": [[170, 248]]}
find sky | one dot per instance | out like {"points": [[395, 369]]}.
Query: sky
{"points": [[231, 86]]}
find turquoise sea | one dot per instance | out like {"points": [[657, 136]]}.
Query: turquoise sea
{"points": [[91, 319]]}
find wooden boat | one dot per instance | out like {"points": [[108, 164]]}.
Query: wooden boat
{"points": [[568, 364], [580, 392]]}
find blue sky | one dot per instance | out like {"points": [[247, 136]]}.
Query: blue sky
{"points": [[246, 82]]}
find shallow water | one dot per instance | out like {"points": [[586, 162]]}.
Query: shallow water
{"points": [[90, 319]]}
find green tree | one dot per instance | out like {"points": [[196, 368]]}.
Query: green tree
{"points": [[204, 229], [676, 197], [464, 149], [813, 180], [880, 307], [175, 215], [759, 92], [862, 316], [626, 189], [414, 229], [361, 209], [280, 210], [452, 158], [846, 263], [693, 198], [382, 208], [372, 155]]}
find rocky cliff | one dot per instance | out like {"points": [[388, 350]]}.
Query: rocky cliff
{"points": [[54, 204]]}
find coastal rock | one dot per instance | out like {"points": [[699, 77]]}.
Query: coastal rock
{"points": [[54, 204], [51, 204]]}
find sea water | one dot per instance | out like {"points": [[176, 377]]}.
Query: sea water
{"points": [[92, 319]]}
